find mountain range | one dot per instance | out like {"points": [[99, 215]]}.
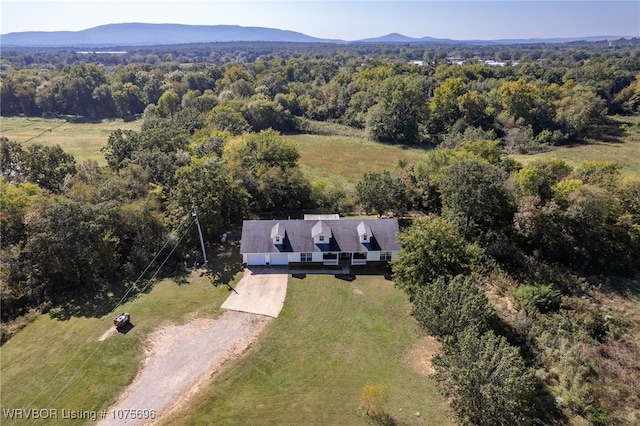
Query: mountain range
{"points": [[140, 34]]}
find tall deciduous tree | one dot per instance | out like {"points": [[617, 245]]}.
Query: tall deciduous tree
{"points": [[267, 164], [431, 249], [487, 380], [48, 166], [168, 104], [475, 196], [382, 193], [400, 111], [218, 196]]}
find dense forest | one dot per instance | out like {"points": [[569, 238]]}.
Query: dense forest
{"points": [[552, 241]]}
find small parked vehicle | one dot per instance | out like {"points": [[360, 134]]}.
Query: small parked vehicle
{"points": [[122, 320]]}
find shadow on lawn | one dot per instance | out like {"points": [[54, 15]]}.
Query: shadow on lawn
{"points": [[90, 302], [224, 265]]}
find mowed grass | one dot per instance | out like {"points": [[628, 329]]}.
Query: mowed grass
{"points": [[625, 150], [332, 338], [349, 158], [61, 364], [82, 140]]}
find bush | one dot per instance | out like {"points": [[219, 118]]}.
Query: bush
{"points": [[448, 307], [529, 298]]}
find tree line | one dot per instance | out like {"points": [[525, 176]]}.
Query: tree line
{"points": [[551, 97]]}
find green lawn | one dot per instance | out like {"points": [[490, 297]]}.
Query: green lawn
{"points": [[309, 367], [62, 365], [350, 158], [82, 140]]}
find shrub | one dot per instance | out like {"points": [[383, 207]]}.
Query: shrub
{"points": [[529, 298]]}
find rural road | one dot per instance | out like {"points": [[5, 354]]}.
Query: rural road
{"points": [[181, 359]]}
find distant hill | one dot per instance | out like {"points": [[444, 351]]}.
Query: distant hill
{"points": [[139, 34], [396, 38]]}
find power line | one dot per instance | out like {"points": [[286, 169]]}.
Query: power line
{"points": [[120, 302]]}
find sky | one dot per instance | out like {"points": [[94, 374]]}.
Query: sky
{"points": [[344, 20]]}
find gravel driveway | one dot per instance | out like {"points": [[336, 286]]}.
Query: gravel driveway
{"points": [[181, 359]]}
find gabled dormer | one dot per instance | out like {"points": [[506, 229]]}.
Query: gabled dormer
{"points": [[277, 234], [364, 232], [321, 233]]}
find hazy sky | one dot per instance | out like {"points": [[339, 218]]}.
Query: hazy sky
{"points": [[346, 20]]}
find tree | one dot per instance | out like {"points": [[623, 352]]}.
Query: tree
{"points": [[400, 110], [580, 110], [225, 118], [168, 104], [262, 114], [48, 166], [129, 100], [10, 159], [218, 196], [431, 249], [447, 307], [445, 106], [70, 246], [539, 176], [475, 196], [267, 164], [487, 380], [15, 202], [121, 145], [381, 193]]}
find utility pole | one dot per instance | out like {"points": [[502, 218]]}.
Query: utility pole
{"points": [[194, 215]]}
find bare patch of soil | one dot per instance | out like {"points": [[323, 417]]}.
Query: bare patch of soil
{"points": [[420, 355], [110, 332]]}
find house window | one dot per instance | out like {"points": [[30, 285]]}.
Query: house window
{"points": [[359, 256], [365, 238], [277, 239], [321, 238], [385, 255], [306, 257]]}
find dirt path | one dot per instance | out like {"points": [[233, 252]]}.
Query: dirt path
{"points": [[181, 359]]}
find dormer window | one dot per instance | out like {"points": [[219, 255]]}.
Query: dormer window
{"points": [[364, 232], [277, 233], [321, 233]]}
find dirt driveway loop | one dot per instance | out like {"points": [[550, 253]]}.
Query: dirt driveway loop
{"points": [[180, 360]]}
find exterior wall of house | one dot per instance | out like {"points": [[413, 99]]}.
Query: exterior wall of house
{"points": [[316, 257]]}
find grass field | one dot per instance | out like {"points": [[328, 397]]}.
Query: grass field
{"points": [[62, 365], [625, 149], [82, 140], [346, 158], [350, 158], [332, 338]]}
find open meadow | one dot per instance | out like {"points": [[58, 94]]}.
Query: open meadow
{"points": [[624, 149], [82, 140], [349, 158]]}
